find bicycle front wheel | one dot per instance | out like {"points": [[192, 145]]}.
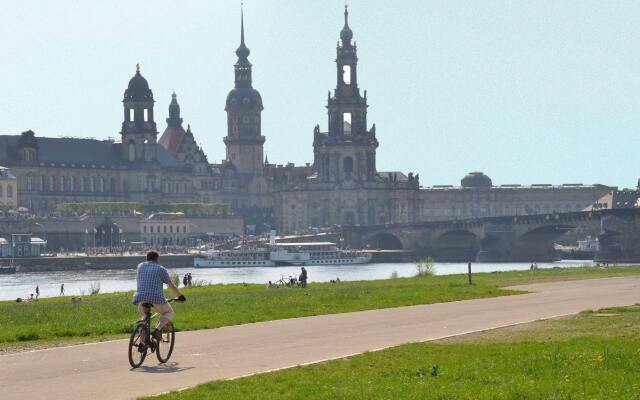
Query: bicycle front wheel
{"points": [[137, 345], [166, 343]]}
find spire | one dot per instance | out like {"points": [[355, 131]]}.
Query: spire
{"points": [[242, 66], [266, 161], [346, 34], [174, 112], [242, 23], [138, 68], [243, 51]]}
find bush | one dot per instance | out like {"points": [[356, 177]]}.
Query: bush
{"points": [[425, 267], [175, 278], [199, 283], [94, 288]]}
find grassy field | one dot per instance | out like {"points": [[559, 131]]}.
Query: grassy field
{"points": [[592, 356], [112, 315]]}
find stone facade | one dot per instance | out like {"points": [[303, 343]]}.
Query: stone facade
{"points": [[476, 197], [8, 189], [342, 186], [163, 229]]}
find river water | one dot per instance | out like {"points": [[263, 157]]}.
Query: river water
{"points": [[79, 282]]}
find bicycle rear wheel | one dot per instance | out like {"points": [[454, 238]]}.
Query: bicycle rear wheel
{"points": [[165, 345], [137, 345]]}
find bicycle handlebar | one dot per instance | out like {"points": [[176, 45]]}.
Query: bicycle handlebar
{"points": [[173, 299]]}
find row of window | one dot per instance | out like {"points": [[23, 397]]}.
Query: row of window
{"points": [[132, 115], [70, 184], [163, 229], [523, 209]]}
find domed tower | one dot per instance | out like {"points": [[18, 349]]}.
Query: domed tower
{"points": [[139, 132], [173, 135], [348, 150], [476, 180], [244, 140]]}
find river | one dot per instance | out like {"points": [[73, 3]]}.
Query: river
{"points": [[79, 282]]}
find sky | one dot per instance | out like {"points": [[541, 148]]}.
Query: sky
{"points": [[525, 91]]}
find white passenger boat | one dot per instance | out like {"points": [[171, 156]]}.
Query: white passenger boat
{"points": [[277, 254]]}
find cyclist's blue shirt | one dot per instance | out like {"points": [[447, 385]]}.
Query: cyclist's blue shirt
{"points": [[151, 277]]}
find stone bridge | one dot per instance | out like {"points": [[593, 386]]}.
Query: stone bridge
{"points": [[525, 238]]}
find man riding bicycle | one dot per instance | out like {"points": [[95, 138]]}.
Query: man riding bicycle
{"points": [[150, 279]]}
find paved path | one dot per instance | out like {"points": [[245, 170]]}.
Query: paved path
{"points": [[101, 370]]}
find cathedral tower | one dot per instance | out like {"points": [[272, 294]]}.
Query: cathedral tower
{"points": [[348, 151], [244, 140], [138, 127]]}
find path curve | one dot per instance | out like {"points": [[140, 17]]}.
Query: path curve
{"points": [[101, 370]]}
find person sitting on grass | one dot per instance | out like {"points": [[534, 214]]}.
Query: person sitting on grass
{"points": [[150, 278]]}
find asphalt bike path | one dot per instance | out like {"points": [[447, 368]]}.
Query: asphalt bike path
{"points": [[102, 371]]}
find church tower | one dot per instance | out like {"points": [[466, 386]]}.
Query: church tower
{"points": [[173, 136], [348, 151], [244, 140], [138, 127]]}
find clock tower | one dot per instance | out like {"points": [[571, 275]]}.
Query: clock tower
{"points": [[244, 140]]}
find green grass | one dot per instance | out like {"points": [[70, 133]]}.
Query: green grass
{"points": [[112, 315], [586, 357]]}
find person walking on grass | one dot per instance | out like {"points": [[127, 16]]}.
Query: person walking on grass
{"points": [[189, 279], [150, 278], [37, 291], [62, 290], [185, 280]]}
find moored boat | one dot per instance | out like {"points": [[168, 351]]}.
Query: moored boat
{"points": [[281, 254]]}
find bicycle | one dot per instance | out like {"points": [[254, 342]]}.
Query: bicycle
{"points": [[289, 281], [142, 340]]}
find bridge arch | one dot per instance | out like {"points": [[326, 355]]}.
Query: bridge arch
{"points": [[384, 241], [546, 231], [456, 245], [537, 244]]}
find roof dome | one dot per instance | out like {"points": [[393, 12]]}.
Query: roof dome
{"points": [[245, 98], [476, 180], [138, 88]]}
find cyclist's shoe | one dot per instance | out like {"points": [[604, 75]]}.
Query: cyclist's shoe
{"points": [[182, 298], [157, 334]]}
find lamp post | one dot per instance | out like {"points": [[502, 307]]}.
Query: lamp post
{"points": [[119, 233]]}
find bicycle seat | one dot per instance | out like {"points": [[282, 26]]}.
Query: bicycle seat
{"points": [[147, 305]]}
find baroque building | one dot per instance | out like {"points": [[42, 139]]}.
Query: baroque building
{"points": [[342, 186]]}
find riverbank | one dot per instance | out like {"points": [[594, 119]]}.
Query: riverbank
{"points": [[112, 315], [592, 355], [83, 263], [124, 262]]}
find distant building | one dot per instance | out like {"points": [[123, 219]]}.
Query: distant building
{"points": [[8, 189], [22, 245], [624, 198], [342, 186], [168, 228], [477, 197]]}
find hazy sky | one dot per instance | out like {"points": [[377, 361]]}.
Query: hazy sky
{"points": [[525, 91]]}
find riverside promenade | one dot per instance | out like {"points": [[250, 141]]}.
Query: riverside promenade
{"points": [[101, 370]]}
